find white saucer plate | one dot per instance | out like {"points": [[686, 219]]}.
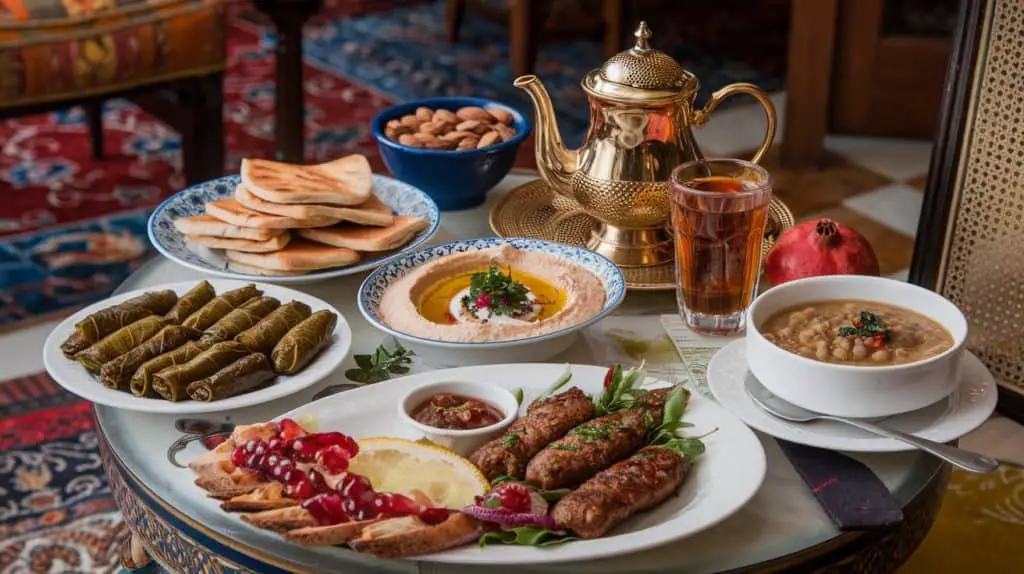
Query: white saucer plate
{"points": [[963, 411], [74, 378], [402, 198], [724, 479]]}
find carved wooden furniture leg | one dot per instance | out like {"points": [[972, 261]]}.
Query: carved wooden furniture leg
{"points": [[133, 553], [453, 12], [94, 122], [524, 30], [812, 31], [202, 127], [289, 16], [612, 27]]}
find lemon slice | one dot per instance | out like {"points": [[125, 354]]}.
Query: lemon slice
{"points": [[419, 470]]}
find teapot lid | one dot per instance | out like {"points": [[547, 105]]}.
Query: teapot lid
{"points": [[640, 74]]}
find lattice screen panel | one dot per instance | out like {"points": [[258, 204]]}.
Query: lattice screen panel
{"points": [[983, 269]]}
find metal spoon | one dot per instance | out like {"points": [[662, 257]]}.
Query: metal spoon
{"points": [[965, 459]]}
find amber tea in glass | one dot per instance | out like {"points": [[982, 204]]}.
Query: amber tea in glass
{"points": [[719, 213]]}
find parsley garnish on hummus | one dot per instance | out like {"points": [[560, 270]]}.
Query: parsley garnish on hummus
{"points": [[497, 292]]}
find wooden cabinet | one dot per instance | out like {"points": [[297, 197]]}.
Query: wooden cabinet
{"points": [[853, 69]]}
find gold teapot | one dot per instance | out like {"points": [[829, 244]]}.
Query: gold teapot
{"points": [[641, 111]]}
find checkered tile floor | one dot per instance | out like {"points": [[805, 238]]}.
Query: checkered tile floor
{"points": [[873, 185]]}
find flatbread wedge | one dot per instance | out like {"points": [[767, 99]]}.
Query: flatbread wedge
{"points": [[344, 181], [332, 535], [210, 226], [361, 238], [281, 519], [248, 245], [298, 256], [266, 497], [230, 211], [255, 270], [410, 536], [371, 212]]}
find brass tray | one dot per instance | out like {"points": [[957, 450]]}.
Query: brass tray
{"points": [[535, 210]]}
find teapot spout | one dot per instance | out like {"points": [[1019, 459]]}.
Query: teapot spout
{"points": [[555, 162]]}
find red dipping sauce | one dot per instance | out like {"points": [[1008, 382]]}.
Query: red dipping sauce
{"points": [[457, 412]]}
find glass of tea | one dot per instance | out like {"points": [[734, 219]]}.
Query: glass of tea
{"points": [[719, 213]]}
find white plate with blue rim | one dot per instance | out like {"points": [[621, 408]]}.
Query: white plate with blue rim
{"points": [[402, 198], [535, 348]]}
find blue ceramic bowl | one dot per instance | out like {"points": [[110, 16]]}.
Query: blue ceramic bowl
{"points": [[453, 179], [535, 348]]}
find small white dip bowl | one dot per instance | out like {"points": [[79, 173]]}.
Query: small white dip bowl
{"points": [[854, 390], [463, 442]]}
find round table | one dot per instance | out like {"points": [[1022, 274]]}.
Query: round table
{"points": [[782, 528]]}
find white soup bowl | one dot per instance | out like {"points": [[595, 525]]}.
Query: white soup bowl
{"points": [[848, 390]]}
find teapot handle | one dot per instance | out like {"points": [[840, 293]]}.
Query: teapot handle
{"points": [[701, 116]]}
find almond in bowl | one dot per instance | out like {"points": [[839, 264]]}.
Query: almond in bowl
{"points": [[468, 127]]}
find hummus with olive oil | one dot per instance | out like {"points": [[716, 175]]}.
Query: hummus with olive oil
{"points": [[492, 295]]}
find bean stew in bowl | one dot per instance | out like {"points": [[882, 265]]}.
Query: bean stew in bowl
{"points": [[854, 345], [856, 332]]}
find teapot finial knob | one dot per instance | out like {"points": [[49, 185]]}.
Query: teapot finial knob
{"points": [[642, 34]]}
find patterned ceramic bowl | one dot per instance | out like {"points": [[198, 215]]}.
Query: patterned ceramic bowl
{"points": [[402, 198], [532, 349], [454, 179]]}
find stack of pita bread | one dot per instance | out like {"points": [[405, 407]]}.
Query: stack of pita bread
{"points": [[289, 219]]}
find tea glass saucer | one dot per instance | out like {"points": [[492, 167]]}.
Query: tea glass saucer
{"points": [[961, 412]]}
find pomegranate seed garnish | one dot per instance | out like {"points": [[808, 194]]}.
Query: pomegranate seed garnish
{"points": [[302, 489], [608, 378], [483, 301], [401, 504], [333, 458], [349, 507], [317, 480], [513, 496], [434, 515], [290, 429]]}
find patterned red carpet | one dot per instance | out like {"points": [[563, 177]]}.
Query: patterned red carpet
{"points": [[56, 514], [72, 228]]}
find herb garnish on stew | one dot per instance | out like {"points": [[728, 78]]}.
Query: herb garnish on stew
{"points": [[869, 325], [498, 292]]}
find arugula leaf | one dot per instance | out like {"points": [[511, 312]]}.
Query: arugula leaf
{"points": [[526, 536], [380, 365]]}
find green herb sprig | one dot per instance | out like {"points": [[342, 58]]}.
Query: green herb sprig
{"points": [[620, 390], [505, 295], [869, 325], [381, 364]]}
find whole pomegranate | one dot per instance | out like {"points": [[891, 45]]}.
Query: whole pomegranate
{"points": [[819, 247]]}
